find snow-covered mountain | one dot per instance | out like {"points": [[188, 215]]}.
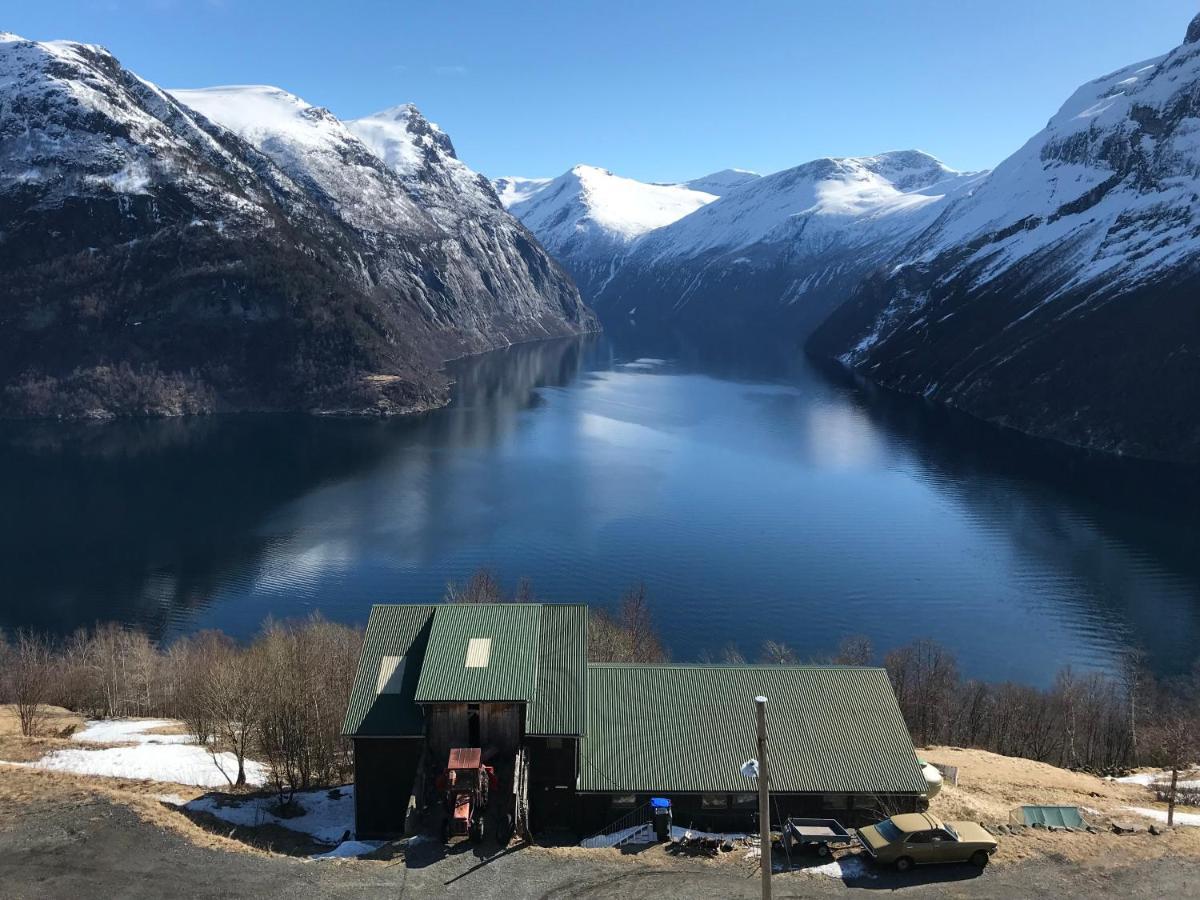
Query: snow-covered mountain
{"points": [[588, 217], [1060, 296], [782, 250], [158, 261]]}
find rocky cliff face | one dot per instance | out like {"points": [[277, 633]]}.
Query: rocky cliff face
{"points": [[1060, 296], [158, 262]]}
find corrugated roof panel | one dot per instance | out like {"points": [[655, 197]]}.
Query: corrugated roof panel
{"points": [[401, 632], [511, 672], [561, 703], [689, 728]]}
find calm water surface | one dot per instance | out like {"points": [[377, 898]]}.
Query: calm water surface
{"points": [[755, 501]]}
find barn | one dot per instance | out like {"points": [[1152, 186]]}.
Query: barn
{"points": [[578, 746]]}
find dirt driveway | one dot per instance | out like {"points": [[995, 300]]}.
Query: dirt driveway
{"points": [[92, 846]]}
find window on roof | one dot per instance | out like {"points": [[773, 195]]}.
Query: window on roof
{"points": [[479, 651], [391, 675]]}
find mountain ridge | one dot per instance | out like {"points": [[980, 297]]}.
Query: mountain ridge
{"points": [[158, 263]]}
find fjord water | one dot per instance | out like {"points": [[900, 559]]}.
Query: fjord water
{"points": [[755, 500]]}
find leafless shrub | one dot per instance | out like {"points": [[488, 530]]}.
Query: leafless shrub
{"points": [[482, 587], [25, 679], [629, 636], [776, 653], [855, 650]]}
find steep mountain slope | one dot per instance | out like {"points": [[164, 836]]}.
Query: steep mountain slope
{"points": [[780, 251], [157, 263], [395, 178], [588, 217], [1060, 296], [514, 189]]}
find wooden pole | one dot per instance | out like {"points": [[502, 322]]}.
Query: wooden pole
{"points": [[764, 798]]}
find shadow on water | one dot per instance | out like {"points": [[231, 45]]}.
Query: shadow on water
{"points": [[145, 521]]}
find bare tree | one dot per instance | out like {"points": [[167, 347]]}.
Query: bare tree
{"points": [[924, 676], [855, 650], [1172, 737], [481, 587], [628, 636], [26, 677], [775, 653]]}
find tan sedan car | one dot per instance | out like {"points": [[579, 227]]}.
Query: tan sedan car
{"points": [[917, 839]]}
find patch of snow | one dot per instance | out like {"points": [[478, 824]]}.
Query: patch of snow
{"points": [[350, 849], [679, 834], [1150, 779], [176, 763], [129, 731], [172, 799], [1189, 819], [849, 868], [325, 819]]}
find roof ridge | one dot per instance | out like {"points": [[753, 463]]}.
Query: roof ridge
{"points": [[739, 666]]}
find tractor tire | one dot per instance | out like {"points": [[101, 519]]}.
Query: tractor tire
{"points": [[476, 832], [904, 864]]}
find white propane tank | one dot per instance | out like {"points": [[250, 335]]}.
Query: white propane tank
{"points": [[933, 779]]}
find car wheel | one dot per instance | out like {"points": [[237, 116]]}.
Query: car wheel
{"points": [[979, 859], [903, 864], [822, 849]]}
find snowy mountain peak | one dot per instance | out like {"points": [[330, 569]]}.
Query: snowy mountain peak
{"points": [[590, 204], [909, 170], [1193, 32], [405, 139]]}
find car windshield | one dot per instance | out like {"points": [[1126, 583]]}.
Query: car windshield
{"points": [[950, 830], [889, 831]]}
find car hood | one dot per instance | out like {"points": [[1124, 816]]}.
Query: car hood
{"points": [[969, 831]]}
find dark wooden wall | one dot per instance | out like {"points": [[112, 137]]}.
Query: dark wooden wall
{"points": [[384, 772]]}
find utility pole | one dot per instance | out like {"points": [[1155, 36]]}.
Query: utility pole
{"points": [[764, 798]]}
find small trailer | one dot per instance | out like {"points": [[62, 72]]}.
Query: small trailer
{"points": [[820, 836]]}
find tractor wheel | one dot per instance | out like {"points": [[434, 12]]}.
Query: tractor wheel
{"points": [[904, 863], [476, 832], [445, 831], [979, 859]]}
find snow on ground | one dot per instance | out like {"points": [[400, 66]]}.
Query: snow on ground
{"points": [[1149, 779], [850, 868], [326, 818], [350, 849], [129, 731], [176, 763], [1190, 819]]}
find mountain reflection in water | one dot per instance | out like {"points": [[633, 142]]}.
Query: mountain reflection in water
{"points": [[755, 498]]}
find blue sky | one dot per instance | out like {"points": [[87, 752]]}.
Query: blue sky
{"points": [[654, 90]]}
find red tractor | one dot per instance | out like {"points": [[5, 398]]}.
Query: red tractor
{"points": [[467, 785]]}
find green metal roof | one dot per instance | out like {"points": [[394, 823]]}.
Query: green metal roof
{"points": [[392, 630], [561, 701], [514, 632], [662, 729]]}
